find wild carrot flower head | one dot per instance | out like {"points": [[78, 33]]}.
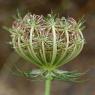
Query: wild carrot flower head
{"points": [[48, 42]]}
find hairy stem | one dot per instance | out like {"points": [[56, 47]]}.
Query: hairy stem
{"points": [[47, 86]]}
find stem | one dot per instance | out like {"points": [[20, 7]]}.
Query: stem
{"points": [[47, 86]]}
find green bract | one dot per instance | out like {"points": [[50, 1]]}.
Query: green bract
{"points": [[47, 42]]}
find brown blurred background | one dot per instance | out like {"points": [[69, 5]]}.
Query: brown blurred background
{"points": [[12, 85]]}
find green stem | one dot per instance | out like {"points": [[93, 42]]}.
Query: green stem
{"points": [[47, 86]]}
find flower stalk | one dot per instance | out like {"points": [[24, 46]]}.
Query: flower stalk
{"points": [[47, 86]]}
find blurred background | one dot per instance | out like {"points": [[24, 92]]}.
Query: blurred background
{"points": [[13, 85]]}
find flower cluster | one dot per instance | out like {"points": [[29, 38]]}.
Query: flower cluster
{"points": [[47, 42]]}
